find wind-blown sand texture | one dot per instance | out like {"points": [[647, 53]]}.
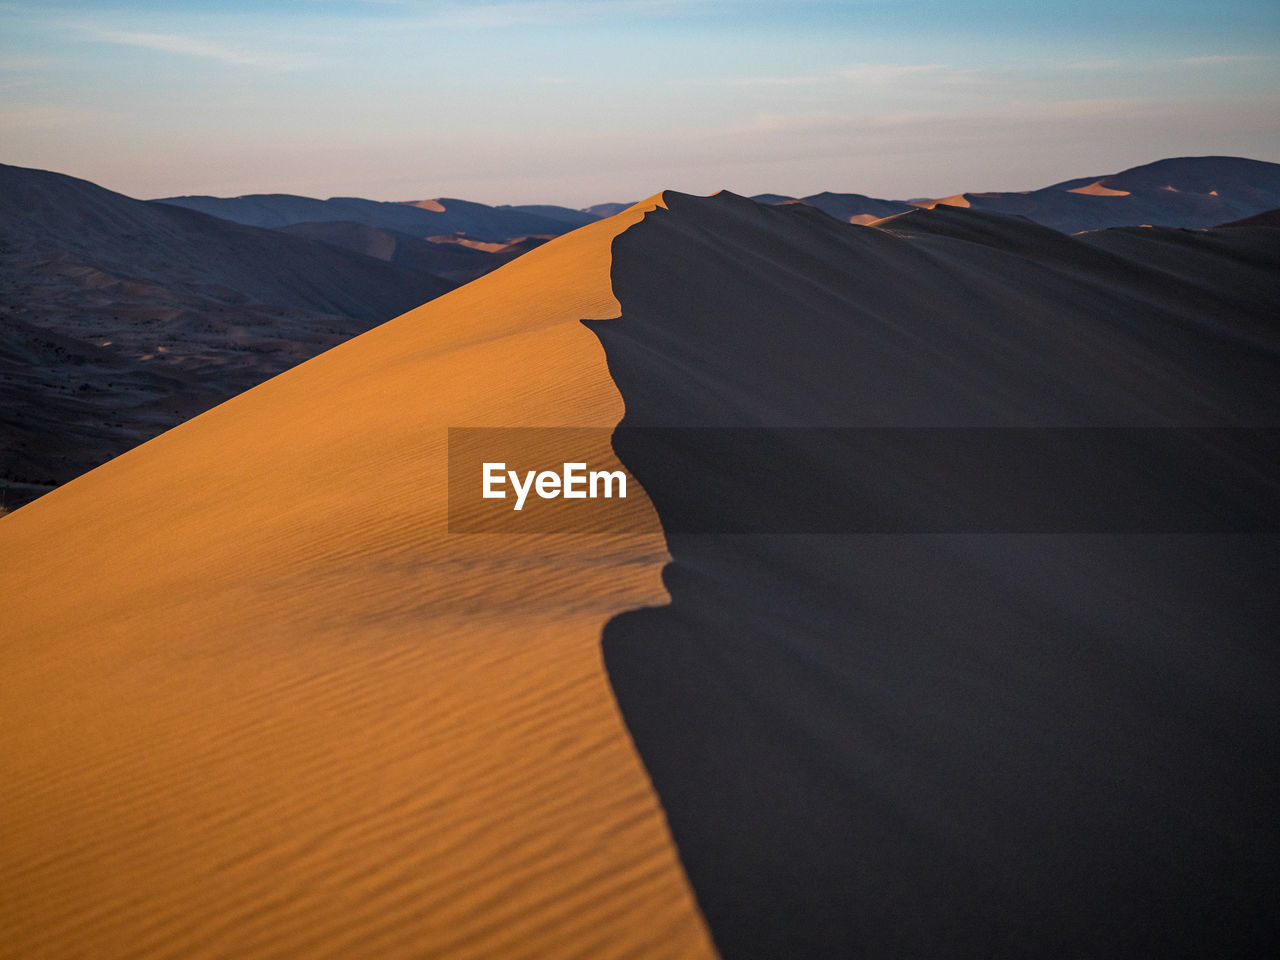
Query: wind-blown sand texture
{"points": [[257, 703]]}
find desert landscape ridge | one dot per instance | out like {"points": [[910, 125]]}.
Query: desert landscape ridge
{"points": [[120, 318], [917, 743], [639, 480], [259, 704]]}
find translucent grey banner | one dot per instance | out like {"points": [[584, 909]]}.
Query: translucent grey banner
{"points": [[870, 480]]}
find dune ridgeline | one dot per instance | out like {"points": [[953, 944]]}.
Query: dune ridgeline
{"points": [[261, 703]]}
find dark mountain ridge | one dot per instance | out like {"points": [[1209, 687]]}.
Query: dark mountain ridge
{"points": [[120, 319], [418, 218], [1189, 192]]}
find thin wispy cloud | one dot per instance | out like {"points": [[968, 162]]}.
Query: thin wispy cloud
{"points": [[1217, 60], [1082, 109], [871, 75], [520, 13], [797, 81], [774, 122], [206, 49], [487, 93], [1157, 63], [880, 74]]}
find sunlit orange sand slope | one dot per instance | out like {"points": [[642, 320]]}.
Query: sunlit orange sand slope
{"points": [[257, 702]]}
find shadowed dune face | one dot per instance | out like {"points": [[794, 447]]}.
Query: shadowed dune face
{"points": [[1268, 218], [854, 208], [953, 745], [258, 703]]}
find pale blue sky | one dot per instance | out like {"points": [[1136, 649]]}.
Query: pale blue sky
{"points": [[583, 101]]}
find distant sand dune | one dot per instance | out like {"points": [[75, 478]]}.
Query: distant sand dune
{"points": [[956, 200], [1096, 189]]}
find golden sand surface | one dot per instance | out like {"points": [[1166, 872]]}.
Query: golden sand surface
{"points": [[1096, 189], [955, 200], [259, 704]]}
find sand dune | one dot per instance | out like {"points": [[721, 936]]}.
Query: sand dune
{"points": [[260, 704], [1096, 189], [1193, 192], [955, 200], [929, 744]]}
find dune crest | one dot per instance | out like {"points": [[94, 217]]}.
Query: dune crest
{"points": [[955, 200], [1096, 189], [259, 703]]}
